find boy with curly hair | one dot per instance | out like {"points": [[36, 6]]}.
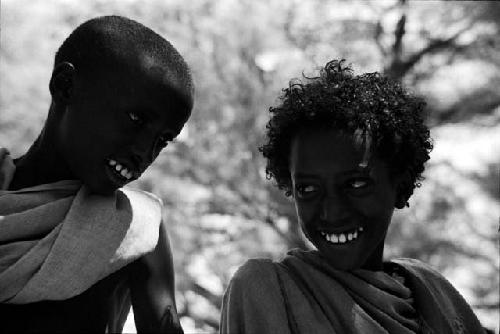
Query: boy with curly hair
{"points": [[348, 149], [77, 248]]}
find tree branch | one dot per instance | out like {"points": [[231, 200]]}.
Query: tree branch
{"points": [[487, 306], [379, 30], [478, 103], [400, 31], [287, 27], [399, 68], [213, 299]]}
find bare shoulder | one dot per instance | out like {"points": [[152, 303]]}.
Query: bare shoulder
{"points": [[152, 286], [159, 260]]}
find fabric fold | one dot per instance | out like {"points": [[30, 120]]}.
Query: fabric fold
{"points": [[373, 297], [303, 294], [57, 240]]}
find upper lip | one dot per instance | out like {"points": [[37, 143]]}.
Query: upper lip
{"points": [[336, 230]]}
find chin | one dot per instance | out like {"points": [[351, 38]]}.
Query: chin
{"points": [[106, 192], [341, 261], [101, 189]]}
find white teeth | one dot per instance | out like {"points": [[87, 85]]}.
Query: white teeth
{"points": [[126, 174], [122, 170], [342, 237]]}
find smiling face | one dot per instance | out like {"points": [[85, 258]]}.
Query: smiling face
{"points": [[343, 210], [116, 124]]}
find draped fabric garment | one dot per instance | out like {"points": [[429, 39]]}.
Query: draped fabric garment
{"points": [[57, 240], [304, 294]]}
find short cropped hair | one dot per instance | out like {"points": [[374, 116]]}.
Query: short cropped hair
{"points": [[102, 40], [339, 100]]}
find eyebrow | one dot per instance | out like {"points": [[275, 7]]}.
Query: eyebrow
{"points": [[312, 176], [305, 175], [148, 112]]}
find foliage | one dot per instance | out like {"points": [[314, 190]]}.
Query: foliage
{"points": [[221, 208]]}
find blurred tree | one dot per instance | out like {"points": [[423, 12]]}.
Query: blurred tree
{"points": [[212, 180]]}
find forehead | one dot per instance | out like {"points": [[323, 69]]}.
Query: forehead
{"points": [[138, 65], [139, 85], [140, 70], [170, 75], [321, 150]]}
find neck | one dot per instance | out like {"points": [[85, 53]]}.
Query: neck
{"points": [[41, 164]]}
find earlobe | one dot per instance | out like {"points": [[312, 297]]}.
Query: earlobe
{"points": [[61, 82]]}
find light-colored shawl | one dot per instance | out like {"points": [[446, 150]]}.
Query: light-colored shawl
{"points": [[304, 294], [57, 240]]}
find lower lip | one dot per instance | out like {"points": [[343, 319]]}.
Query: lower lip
{"points": [[118, 181], [338, 244]]}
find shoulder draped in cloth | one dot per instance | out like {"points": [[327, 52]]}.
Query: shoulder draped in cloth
{"points": [[57, 240], [304, 294]]}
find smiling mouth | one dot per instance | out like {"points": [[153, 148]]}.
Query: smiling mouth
{"points": [[120, 170], [344, 237]]}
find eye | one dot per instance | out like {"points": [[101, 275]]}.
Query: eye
{"points": [[358, 183], [306, 190], [135, 117]]}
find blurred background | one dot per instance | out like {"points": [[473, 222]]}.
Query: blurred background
{"points": [[220, 207]]}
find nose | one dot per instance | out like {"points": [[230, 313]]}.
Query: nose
{"points": [[143, 151], [332, 208]]}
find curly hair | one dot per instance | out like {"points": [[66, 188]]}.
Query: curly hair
{"points": [[338, 99]]}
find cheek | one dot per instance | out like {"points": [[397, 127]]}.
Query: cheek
{"points": [[376, 213], [69, 139], [305, 213], [108, 137], [378, 204]]}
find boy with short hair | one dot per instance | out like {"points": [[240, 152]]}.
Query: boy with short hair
{"points": [[76, 249]]}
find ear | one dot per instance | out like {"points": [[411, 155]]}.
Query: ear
{"points": [[402, 185], [62, 82]]}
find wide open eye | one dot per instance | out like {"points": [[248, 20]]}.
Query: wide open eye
{"points": [[358, 183], [306, 190], [135, 117]]}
